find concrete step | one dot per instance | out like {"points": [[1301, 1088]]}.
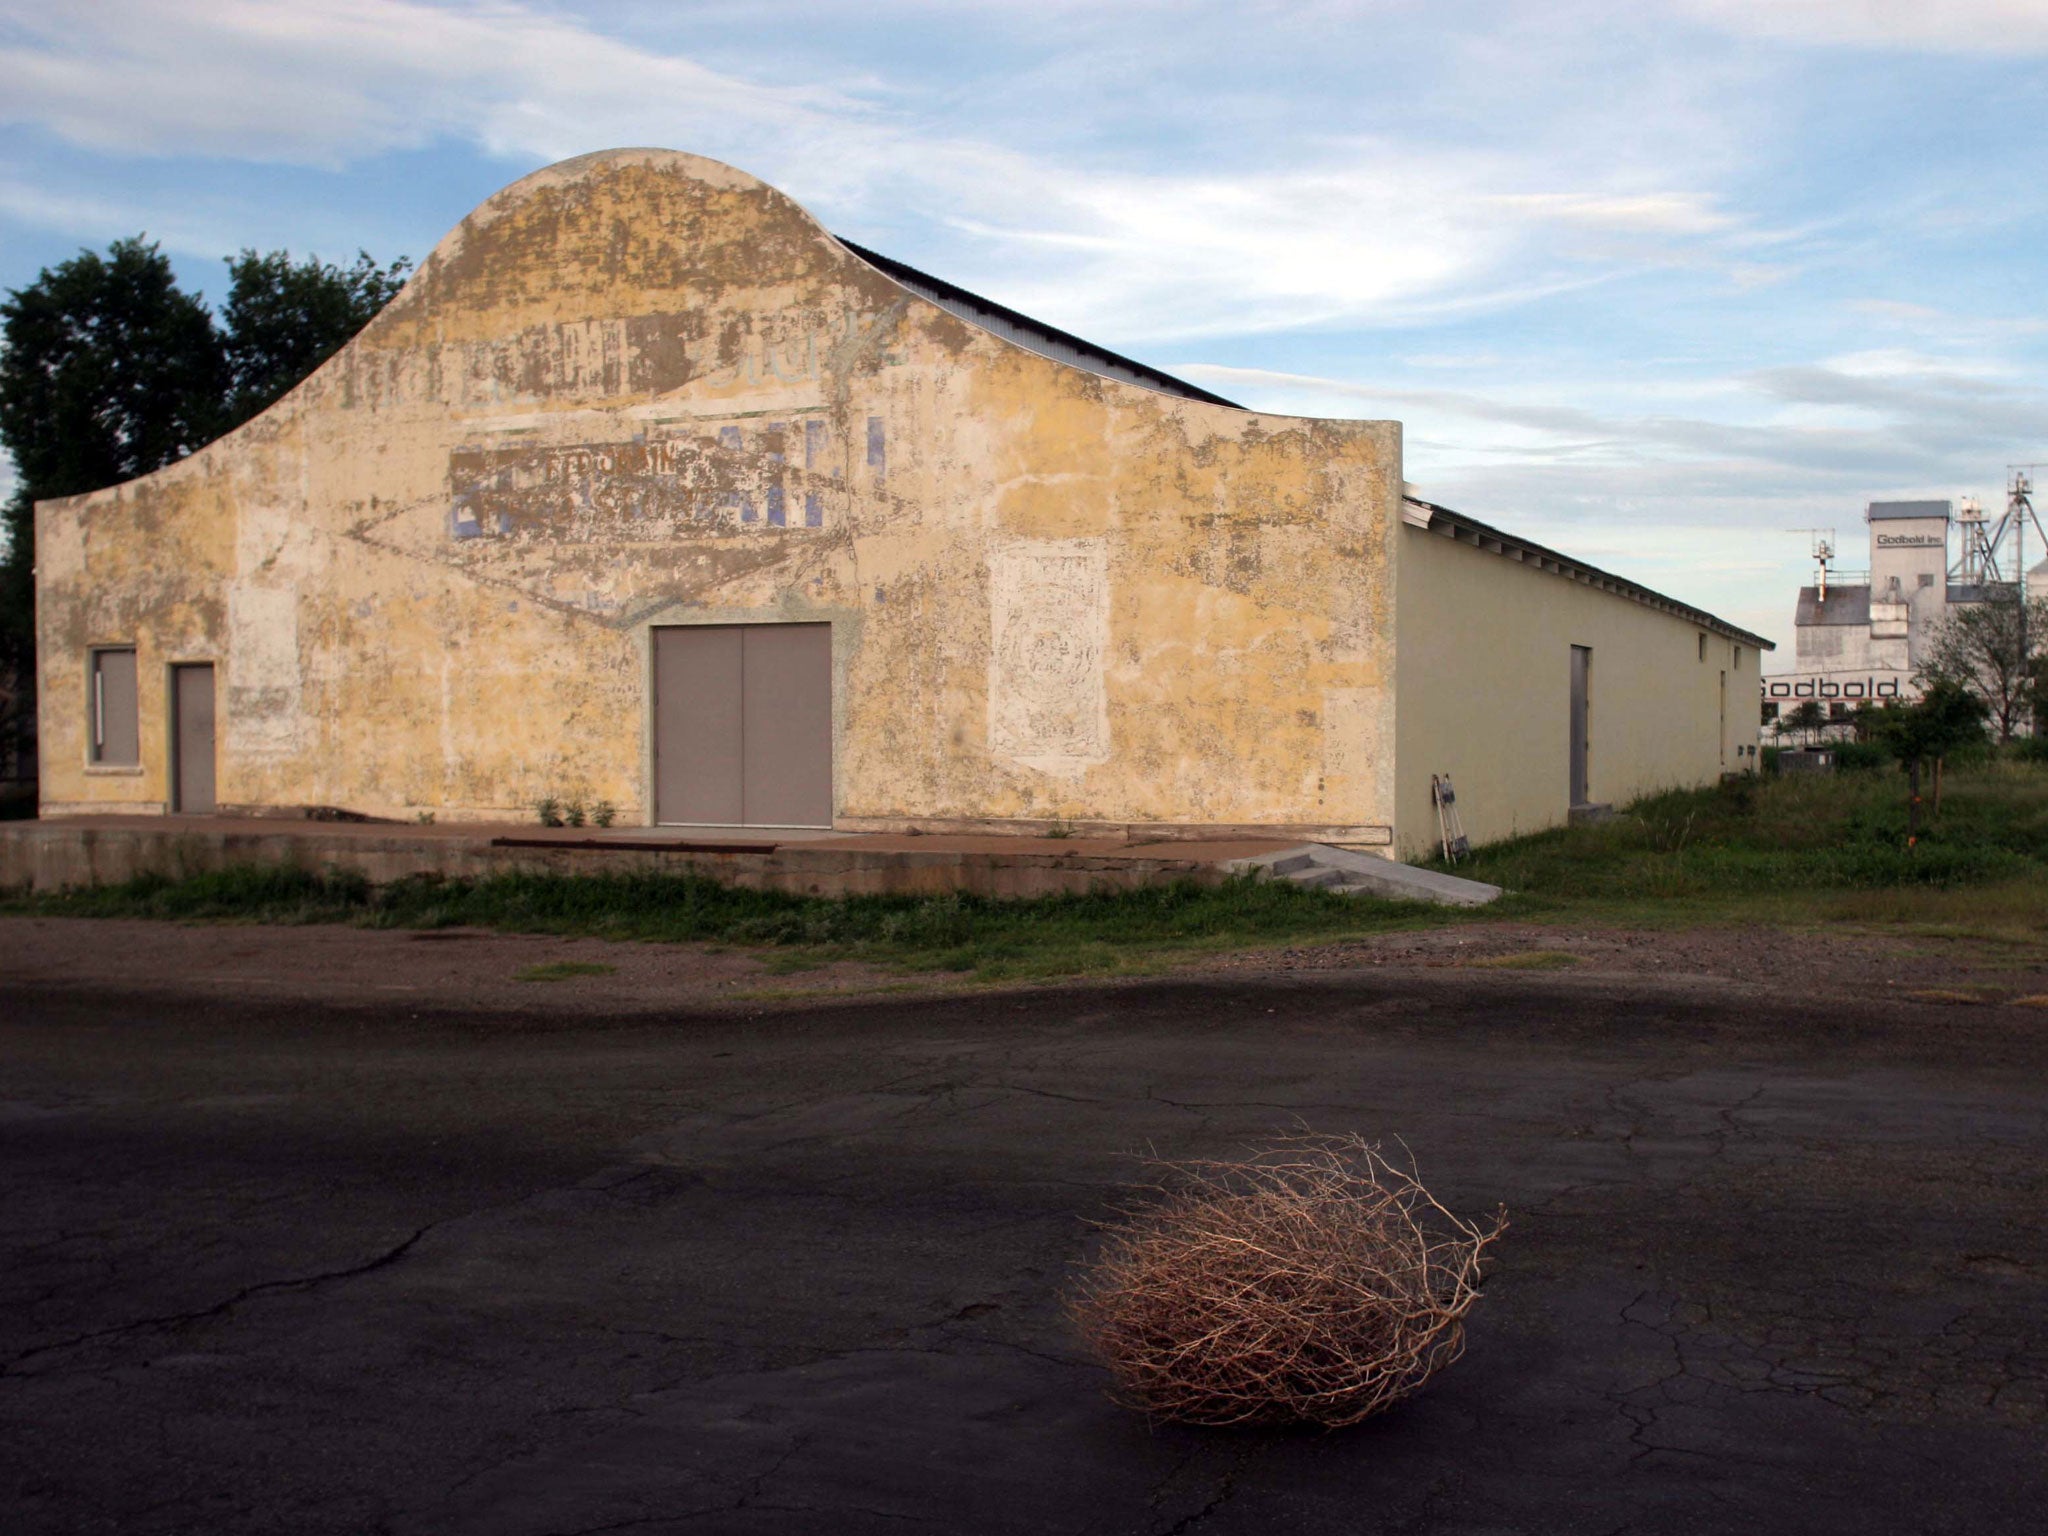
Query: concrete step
{"points": [[1354, 873], [1347, 888]]}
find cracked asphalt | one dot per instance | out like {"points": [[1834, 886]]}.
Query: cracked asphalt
{"points": [[330, 1263]]}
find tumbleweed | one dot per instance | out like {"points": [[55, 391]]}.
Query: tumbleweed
{"points": [[1312, 1281]]}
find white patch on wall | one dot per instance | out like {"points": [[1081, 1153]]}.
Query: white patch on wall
{"points": [[1049, 622], [263, 708], [1352, 743]]}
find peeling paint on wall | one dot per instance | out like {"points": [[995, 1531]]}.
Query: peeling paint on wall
{"points": [[1048, 630], [264, 706]]}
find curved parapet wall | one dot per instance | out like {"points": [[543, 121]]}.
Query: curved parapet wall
{"points": [[642, 389]]}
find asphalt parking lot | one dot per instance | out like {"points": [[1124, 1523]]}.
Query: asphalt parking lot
{"points": [[432, 1265]]}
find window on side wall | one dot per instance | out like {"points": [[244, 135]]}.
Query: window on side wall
{"points": [[1703, 647], [111, 726], [1770, 710], [1738, 658]]}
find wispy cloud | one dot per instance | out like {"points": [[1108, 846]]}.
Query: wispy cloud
{"points": [[1663, 213], [1969, 26], [1374, 229], [1844, 426], [324, 82]]}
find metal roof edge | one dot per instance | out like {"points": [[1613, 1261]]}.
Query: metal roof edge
{"points": [[1445, 522], [948, 295]]}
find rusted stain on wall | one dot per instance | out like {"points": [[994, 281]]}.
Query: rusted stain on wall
{"points": [[642, 385]]}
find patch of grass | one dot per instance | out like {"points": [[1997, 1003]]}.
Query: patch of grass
{"points": [[1528, 960], [1807, 848], [990, 939], [243, 892], [562, 970]]}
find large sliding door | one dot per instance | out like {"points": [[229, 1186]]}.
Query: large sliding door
{"points": [[743, 725]]}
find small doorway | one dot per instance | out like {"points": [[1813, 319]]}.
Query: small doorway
{"points": [[192, 743], [743, 725], [1582, 668], [1724, 721]]}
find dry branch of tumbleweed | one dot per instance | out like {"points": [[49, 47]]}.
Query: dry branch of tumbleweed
{"points": [[1313, 1280]]}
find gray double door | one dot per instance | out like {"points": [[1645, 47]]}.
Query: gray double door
{"points": [[743, 725]]}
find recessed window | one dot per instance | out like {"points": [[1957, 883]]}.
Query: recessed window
{"points": [[1703, 647], [1770, 710], [115, 737], [1738, 658], [1927, 578]]}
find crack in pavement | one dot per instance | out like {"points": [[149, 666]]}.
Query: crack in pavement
{"points": [[1226, 1490], [11, 1366]]}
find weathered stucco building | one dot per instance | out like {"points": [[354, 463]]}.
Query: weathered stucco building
{"points": [[648, 491]]}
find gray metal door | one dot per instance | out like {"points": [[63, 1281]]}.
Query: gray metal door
{"points": [[1582, 666], [192, 739], [1724, 719], [743, 725]]}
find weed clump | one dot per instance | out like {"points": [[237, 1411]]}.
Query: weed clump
{"points": [[1313, 1282]]}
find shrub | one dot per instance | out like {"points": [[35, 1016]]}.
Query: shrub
{"points": [[1859, 756], [1311, 1282]]}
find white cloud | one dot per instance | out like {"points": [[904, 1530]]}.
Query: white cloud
{"points": [[1366, 229], [1780, 448], [1962, 26], [324, 82]]}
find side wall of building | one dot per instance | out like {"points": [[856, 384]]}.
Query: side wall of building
{"points": [[1484, 687], [644, 389]]}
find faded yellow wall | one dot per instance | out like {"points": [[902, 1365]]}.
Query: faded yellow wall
{"points": [[426, 577], [1484, 689]]}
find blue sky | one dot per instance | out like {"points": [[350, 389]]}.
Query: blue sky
{"points": [[1651, 281]]}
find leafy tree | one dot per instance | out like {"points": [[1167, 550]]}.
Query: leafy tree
{"points": [[110, 371], [1945, 718], [1803, 719], [1865, 719], [282, 319], [1977, 649]]}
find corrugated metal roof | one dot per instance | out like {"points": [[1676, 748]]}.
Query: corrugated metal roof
{"points": [[1845, 605], [1880, 511], [1032, 335], [1469, 530]]}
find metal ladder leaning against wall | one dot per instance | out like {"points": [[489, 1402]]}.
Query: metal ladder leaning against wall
{"points": [[1450, 830]]}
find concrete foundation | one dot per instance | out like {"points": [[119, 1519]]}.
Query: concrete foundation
{"points": [[58, 854]]}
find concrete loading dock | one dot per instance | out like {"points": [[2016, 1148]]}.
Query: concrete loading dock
{"points": [[640, 405]]}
